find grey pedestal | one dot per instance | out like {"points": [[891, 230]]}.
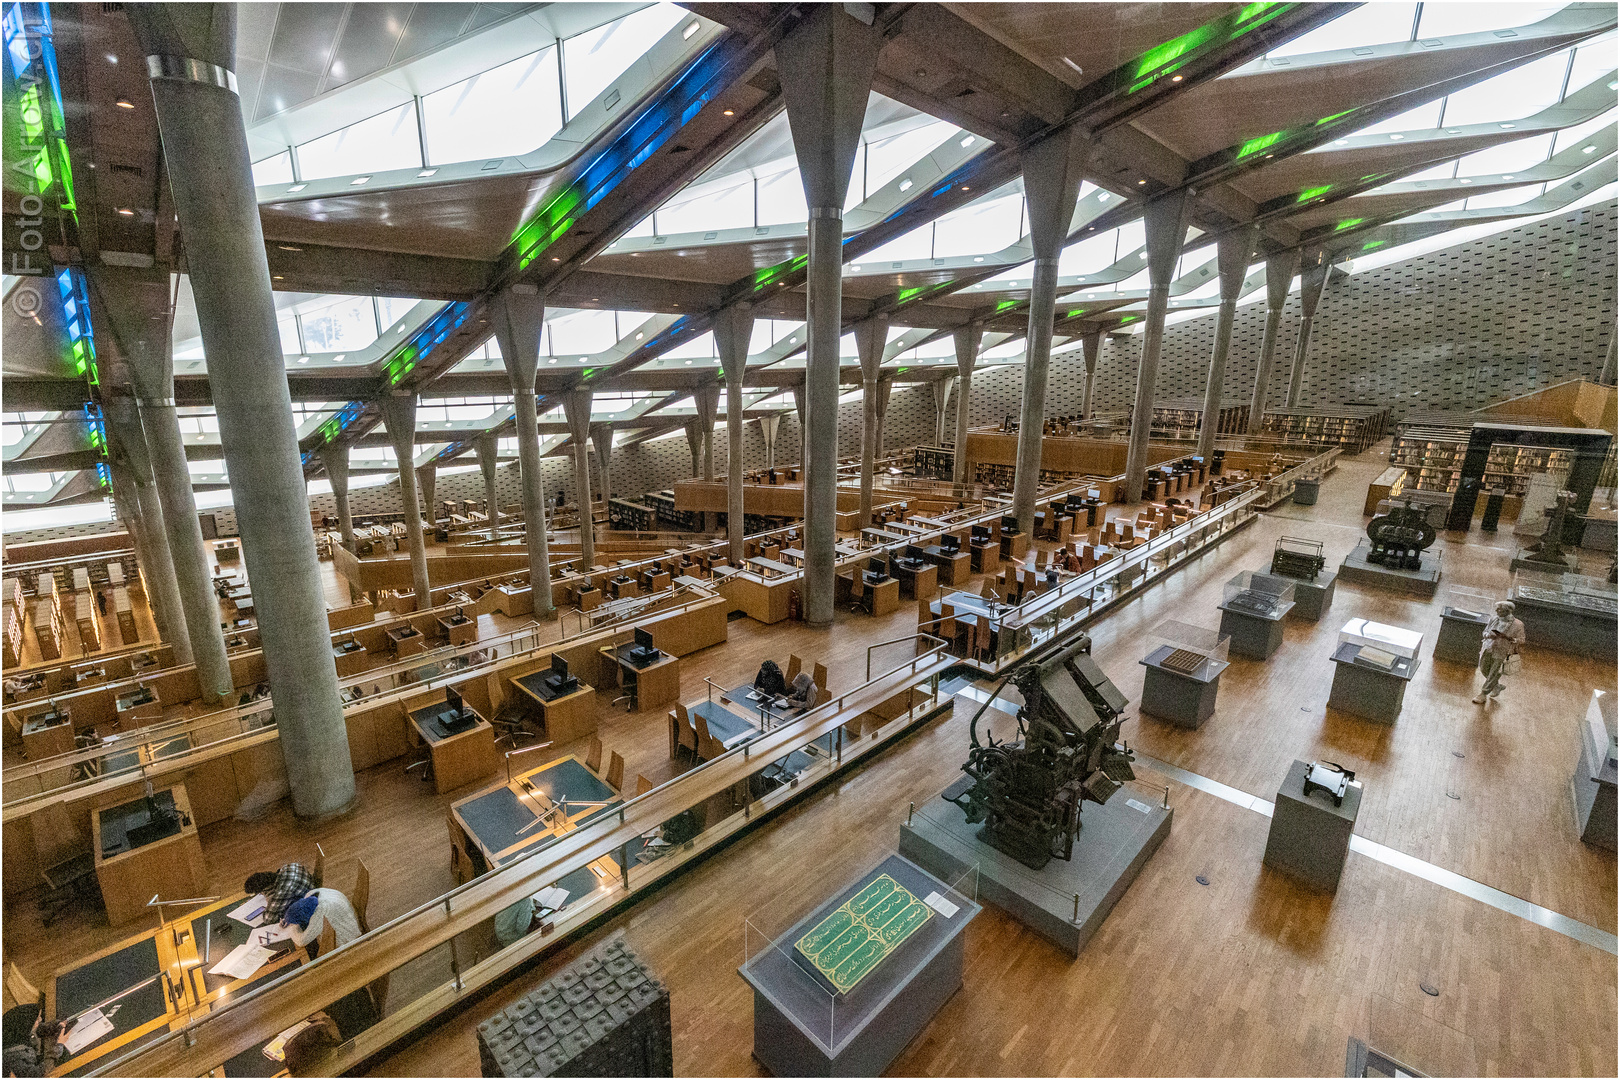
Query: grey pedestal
{"points": [[1368, 692], [1310, 837], [1566, 627], [1421, 582], [1254, 636], [1599, 534], [1186, 699], [801, 1028], [1593, 785], [1306, 491], [1567, 564], [1313, 598], [1459, 639], [1064, 902]]}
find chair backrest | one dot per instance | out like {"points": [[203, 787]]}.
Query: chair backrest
{"points": [[327, 940], [794, 664], [318, 873], [593, 757], [685, 734], [823, 695], [22, 991], [361, 897], [819, 673], [615, 773], [643, 785]]}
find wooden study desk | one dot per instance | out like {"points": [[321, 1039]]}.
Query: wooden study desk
{"points": [[954, 567], [139, 852], [651, 686], [567, 716], [916, 583], [459, 629], [882, 536], [770, 568], [350, 657], [883, 597], [459, 756], [407, 640], [985, 557], [503, 823], [159, 981], [47, 734], [138, 708]]}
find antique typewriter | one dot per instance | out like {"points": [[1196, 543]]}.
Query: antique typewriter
{"points": [[1330, 778], [1297, 558]]}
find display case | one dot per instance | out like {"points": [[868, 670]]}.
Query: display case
{"points": [[1568, 612], [1267, 596], [1463, 615], [1395, 640], [1576, 592], [1184, 665], [1372, 666]]}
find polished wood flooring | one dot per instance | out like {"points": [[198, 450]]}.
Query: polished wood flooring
{"points": [[1247, 975]]}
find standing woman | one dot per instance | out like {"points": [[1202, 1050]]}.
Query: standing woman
{"points": [[1499, 652]]}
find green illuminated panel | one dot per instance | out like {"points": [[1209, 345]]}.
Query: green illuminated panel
{"points": [[850, 943], [1310, 193]]}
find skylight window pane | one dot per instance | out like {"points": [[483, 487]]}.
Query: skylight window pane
{"points": [[781, 197], [288, 328], [1442, 20], [1512, 95], [1507, 158], [989, 225], [1593, 61], [1090, 255], [1132, 238], [273, 170], [1444, 171], [1580, 133], [916, 244], [348, 325], [385, 141], [888, 158], [583, 333], [1421, 118], [393, 310], [512, 109], [699, 348], [1192, 260], [857, 180], [1369, 24], [1511, 197], [597, 57], [728, 204], [25, 482]]}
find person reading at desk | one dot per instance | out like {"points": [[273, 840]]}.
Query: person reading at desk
{"points": [[31, 1048], [292, 882], [315, 911], [802, 694]]}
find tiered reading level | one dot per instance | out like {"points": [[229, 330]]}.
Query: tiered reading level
{"points": [[1354, 427]]}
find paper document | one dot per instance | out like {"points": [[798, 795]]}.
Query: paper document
{"points": [[89, 1027], [940, 904], [242, 961], [251, 910], [553, 897]]}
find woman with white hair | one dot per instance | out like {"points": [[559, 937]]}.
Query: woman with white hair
{"points": [[1499, 650]]}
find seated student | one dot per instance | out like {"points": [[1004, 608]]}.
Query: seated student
{"points": [[769, 680], [802, 694], [31, 1048], [292, 882], [315, 911]]}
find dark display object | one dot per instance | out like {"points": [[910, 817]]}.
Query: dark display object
{"points": [[1028, 792], [1297, 558], [559, 681], [1549, 550], [1009, 524], [644, 652], [1329, 777], [1400, 537]]}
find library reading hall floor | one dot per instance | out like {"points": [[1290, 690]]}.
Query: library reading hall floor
{"points": [[689, 539]]}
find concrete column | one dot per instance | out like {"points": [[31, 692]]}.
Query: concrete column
{"points": [[519, 314], [1052, 169], [489, 450], [577, 411], [967, 340], [885, 385], [694, 441], [1607, 376], [707, 400], [825, 62], [733, 329], [602, 443], [1166, 221], [768, 427], [1312, 279], [941, 389], [138, 503], [205, 146], [1280, 271], [427, 479], [1091, 351], [399, 414], [335, 458], [870, 338], [133, 305], [1232, 255], [798, 407]]}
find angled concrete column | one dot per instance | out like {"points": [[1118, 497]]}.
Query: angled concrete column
{"points": [[399, 414], [335, 459], [707, 400], [694, 442], [427, 479], [733, 329], [205, 146], [825, 62], [489, 453], [1166, 221], [967, 340], [138, 503], [133, 306], [1052, 170], [519, 314], [577, 411], [768, 427], [870, 338], [798, 407], [602, 444], [941, 389], [1280, 271], [1312, 279], [1091, 349], [884, 386], [1232, 254], [1606, 377]]}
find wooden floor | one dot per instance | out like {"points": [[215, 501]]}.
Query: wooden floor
{"points": [[1247, 975]]}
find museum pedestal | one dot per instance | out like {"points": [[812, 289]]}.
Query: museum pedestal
{"points": [[1064, 902], [1313, 598], [1254, 635], [1459, 637], [1306, 492], [1524, 559], [1592, 786], [1310, 837], [1369, 692], [1420, 582], [1566, 627], [804, 1026], [1184, 698]]}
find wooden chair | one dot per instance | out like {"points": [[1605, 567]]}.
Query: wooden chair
{"points": [[21, 991], [794, 664], [361, 898], [593, 756], [643, 785], [686, 736], [819, 673], [615, 773], [708, 746], [318, 872]]}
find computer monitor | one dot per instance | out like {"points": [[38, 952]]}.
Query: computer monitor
{"points": [[559, 668], [914, 552], [459, 613], [878, 567], [1009, 523], [981, 534], [952, 544], [453, 703], [644, 644]]}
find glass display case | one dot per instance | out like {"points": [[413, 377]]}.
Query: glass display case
{"points": [[1577, 592], [1391, 639], [1255, 593], [1468, 603], [1189, 650]]}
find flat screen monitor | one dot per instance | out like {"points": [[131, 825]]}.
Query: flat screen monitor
{"points": [[877, 566], [559, 668], [952, 544], [1009, 523], [981, 534], [452, 701], [913, 552], [644, 640]]}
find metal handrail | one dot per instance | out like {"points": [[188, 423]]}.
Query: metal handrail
{"points": [[939, 643]]}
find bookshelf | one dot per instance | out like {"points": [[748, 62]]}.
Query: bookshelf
{"points": [[626, 515], [1431, 448], [663, 504], [1353, 427], [937, 462], [1180, 418], [12, 595]]}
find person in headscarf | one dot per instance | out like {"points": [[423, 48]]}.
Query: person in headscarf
{"points": [[802, 693]]}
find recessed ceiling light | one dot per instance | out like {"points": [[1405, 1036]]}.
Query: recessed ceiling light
{"points": [[1340, 142], [427, 172], [1465, 180], [689, 363], [303, 359], [126, 211], [338, 359], [966, 142], [966, 187], [978, 258], [905, 185], [1507, 176], [729, 112], [1397, 135], [1139, 183], [288, 247], [553, 360], [639, 336], [1504, 126], [357, 181], [1175, 78], [1078, 70], [555, 259], [112, 59], [1588, 149], [298, 187], [277, 277], [124, 103]]}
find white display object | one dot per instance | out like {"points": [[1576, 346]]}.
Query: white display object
{"points": [[1393, 639]]}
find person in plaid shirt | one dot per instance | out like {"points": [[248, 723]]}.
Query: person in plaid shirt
{"points": [[292, 882]]}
